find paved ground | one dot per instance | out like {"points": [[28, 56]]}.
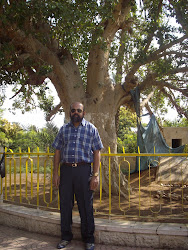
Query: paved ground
{"points": [[14, 239]]}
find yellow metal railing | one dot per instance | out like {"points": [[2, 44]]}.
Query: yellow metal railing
{"points": [[129, 171], [28, 181]]}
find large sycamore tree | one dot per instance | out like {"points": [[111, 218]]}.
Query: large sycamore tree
{"points": [[95, 52]]}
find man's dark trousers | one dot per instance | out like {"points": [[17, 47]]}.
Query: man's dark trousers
{"points": [[76, 180]]}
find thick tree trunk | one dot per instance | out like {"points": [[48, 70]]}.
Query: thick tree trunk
{"points": [[105, 122]]}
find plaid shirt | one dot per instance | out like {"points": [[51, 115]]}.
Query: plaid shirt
{"points": [[78, 144]]}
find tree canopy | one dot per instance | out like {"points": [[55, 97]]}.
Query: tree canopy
{"points": [[101, 44]]}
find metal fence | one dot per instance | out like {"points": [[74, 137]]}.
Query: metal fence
{"points": [[158, 193]]}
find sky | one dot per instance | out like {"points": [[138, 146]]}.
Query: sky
{"points": [[37, 118]]}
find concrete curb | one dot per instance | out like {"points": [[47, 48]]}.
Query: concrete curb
{"points": [[120, 233]]}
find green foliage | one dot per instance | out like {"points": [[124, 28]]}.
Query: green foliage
{"points": [[14, 137], [47, 136], [182, 122], [25, 139], [127, 136], [8, 132]]}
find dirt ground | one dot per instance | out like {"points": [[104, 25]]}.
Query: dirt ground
{"points": [[154, 201]]}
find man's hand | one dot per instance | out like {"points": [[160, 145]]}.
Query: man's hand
{"points": [[94, 183], [56, 180]]}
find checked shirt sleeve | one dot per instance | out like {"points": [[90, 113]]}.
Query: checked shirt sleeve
{"points": [[97, 143], [58, 142]]}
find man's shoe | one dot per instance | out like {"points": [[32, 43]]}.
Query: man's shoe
{"points": [[62, 244], [90, 246]]}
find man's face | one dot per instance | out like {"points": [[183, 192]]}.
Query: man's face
{"points": [[76, 113]]}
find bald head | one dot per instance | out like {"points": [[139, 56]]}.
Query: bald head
{"points": [[75, 104]]}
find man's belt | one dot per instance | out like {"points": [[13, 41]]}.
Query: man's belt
{"points": [[74, 165]]}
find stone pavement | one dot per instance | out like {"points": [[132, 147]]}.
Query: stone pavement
{"points": [[16, 239]]}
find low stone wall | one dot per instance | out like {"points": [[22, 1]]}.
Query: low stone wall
{"points": [[109, 232]]}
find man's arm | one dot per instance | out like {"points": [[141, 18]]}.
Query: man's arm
{"points": [[57, 158], [96, 163]]}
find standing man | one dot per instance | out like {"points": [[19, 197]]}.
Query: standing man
{"points": [[77, 145]]}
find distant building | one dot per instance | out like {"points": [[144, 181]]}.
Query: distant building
{"points": [[175, 137]]}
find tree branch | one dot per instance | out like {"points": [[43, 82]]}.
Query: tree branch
{"points": [[150, 37], [184, 91], [146, 100], [177, 53], [153, 57], [157, 54], [67, 71], [148, 109], [34, 78], [53, 112], [118, 21], [178, 108], [19, 91], [179, 13], [179, 70], [98, 58], [120, 59]]}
